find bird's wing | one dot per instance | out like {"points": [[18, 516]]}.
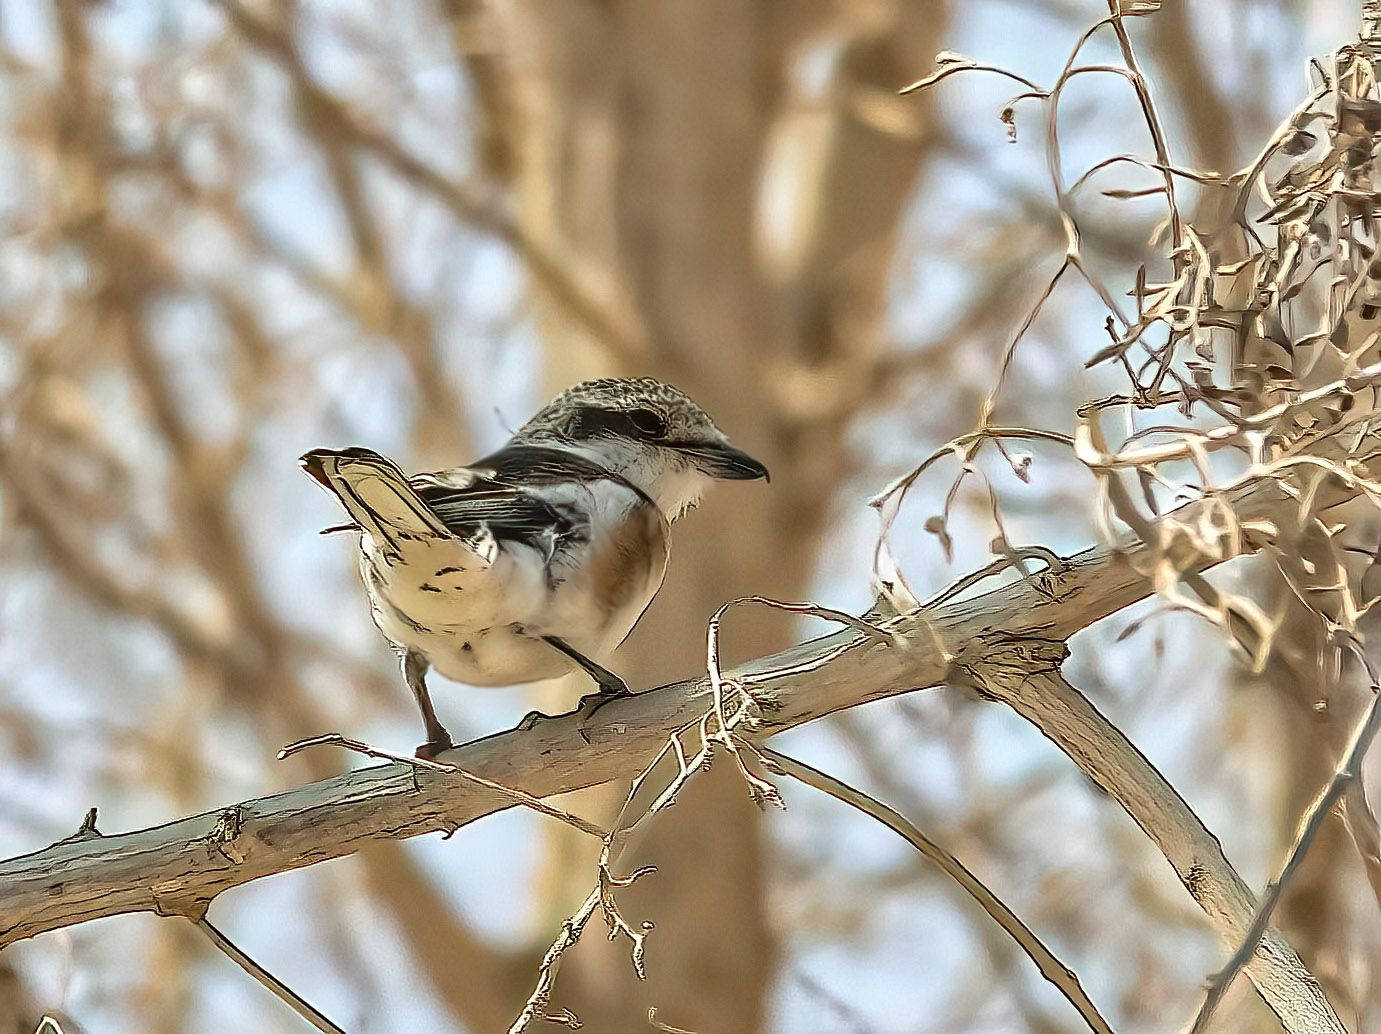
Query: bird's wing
{"points": [[511, 494], [507, 511], [519, 463]]}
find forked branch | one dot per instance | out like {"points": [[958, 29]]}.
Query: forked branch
{"points": [[179, 868]]}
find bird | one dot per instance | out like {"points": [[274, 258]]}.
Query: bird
{"points": [[538, 559]]}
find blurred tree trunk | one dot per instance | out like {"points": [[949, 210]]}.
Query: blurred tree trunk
{"points": [[17, 1012], [640, 139]]}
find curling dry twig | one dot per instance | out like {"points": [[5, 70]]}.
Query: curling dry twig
{"points": [[536, 1005], [715, 727]]}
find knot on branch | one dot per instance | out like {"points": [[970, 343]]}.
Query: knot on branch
{"points": [[1007, 660], [225, 834], [86, 831]]}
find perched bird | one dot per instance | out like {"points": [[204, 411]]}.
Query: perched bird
{"points": [[540, 558]]}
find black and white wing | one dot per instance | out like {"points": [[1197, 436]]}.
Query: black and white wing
{"points": [[519, 494]]}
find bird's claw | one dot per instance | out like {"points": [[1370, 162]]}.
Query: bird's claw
{"points": [[429, 750], [592, 702]]}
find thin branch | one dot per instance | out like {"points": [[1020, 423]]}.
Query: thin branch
{"points": [[335, 739], [1365, 832], [602, 896], [295, 1001], [1152, 117], [949, 63], [536, 1005], [1345, 775], [1050, 966]]}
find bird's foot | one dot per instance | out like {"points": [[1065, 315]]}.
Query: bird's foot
{"points": [[429, 750], [609, 691]]}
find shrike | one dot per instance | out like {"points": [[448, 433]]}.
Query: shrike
{"points": [[540, 558]]}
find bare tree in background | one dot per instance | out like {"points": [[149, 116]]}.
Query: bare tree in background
{"points": [[245, 229], [646, 173]]}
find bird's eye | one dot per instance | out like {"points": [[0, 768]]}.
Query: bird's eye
{"points": [[648, 422], [598, 422]]}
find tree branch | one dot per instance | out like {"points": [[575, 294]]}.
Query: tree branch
{"points": [[294, 1001], [1055, 971], [178, 868], [1005, 672], [1347, 773]]}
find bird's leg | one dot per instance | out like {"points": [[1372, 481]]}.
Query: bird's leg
{"points": [[415, 674], [611, 687]]}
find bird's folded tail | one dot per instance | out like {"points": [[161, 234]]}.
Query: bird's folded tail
{"points": [[375, 493]]}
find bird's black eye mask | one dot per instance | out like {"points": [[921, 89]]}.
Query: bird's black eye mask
{"points": [[643, 424]]}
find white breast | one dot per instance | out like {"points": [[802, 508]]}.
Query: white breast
{"points": [[604, 588], [479, 616]]}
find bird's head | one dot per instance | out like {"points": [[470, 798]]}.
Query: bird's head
{"points": [[649, 432]]}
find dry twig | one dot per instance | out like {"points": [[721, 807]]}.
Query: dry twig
{"points": [[1347, 773], [295, 1001], [1051, 967]]}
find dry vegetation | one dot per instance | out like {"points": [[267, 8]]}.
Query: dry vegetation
{"points": [[166, 344]]}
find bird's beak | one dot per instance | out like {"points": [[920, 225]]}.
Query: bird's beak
{"points": [[722, 460]]}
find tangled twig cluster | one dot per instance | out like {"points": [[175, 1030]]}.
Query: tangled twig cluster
{"points": [[1258, 340], [1263, 338]]}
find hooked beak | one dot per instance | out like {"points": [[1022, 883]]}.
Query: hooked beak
{"points": [[722, 460]]}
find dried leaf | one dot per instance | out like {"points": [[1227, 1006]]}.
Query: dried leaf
{"points": [[1299, 142], [936, 526], [1009, 119], [1123, 194], [1021, 465]]}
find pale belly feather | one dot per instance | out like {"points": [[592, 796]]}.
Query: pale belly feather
{"points": [[479, 619]]}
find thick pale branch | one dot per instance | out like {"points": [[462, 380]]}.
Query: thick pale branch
{"points": [[1049, 964], [1259, 932], [1012, 673], [177, 869]]}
